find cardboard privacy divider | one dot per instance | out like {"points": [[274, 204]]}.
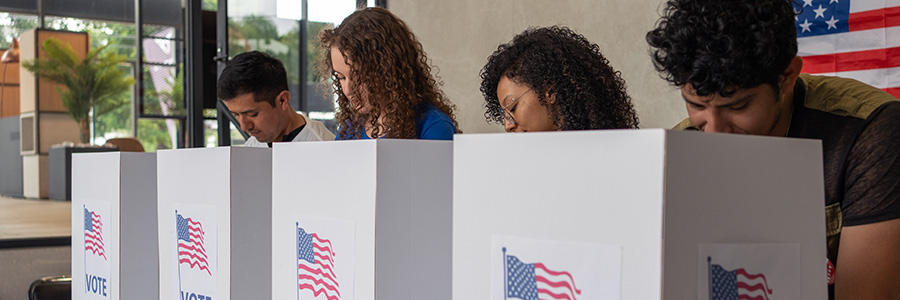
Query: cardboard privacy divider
{"points": [[114, 226], [656, 194], [214, 223], [363, 219]]}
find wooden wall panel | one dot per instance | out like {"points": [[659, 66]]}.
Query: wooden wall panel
{"points": [[12, 71], [50, 100], [41, 94], [9, 89], [10, 105]]}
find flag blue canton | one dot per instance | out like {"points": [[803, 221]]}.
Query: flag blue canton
{"points": [[182, 226], [305, 246], [819, 17], [724, 284], [88, 222], [520, 280]]}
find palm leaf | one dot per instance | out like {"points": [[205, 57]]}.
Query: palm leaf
{"points": [[92, 82]]}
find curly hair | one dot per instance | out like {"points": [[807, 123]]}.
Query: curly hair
{"points": [[556, 61], [721, 46], [389, 63]]}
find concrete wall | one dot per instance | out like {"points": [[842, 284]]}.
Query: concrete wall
{"points": [[458, 36]]}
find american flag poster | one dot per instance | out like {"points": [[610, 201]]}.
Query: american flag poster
{"points": [[97, 247], [191, 249], [93, 234], [857, 39], [323, 259], [749, 272], [195, 250], [532, 269]]}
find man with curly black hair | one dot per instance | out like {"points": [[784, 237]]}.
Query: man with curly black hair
{"points": [[552, 78], [737, 66]]}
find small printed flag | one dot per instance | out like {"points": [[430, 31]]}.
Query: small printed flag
{"points": [[535, 281], [857, 39], [190, 243], [93, 233], [315, 265], [737, 285]]}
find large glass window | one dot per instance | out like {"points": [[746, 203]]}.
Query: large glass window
{"points": [[119, 38], [12, 24], [274, 27]]}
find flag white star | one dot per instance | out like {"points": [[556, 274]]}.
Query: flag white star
{"points": [[833, 1], [832, 23], [820, 12], [807, 2], [805, 25]]}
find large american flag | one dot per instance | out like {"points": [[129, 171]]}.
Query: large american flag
{"points": [[93, 233], [190, 243], [857, 39], [535, 281], [737, 285], [315, 265]]}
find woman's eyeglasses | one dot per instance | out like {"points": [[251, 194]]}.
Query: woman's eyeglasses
{"points": [[506, 111]]}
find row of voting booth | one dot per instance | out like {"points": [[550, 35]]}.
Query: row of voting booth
{"points": [[621, 214]]}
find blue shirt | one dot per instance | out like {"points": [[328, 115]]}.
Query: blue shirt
{"points": [[433, 124]]}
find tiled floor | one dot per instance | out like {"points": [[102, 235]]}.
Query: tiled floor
{"points": [[29, 218]]}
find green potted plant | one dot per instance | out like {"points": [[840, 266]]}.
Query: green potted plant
{"points": [[90, 84]]}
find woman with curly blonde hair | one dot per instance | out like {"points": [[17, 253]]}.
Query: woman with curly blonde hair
{"points": [[383, 80]]}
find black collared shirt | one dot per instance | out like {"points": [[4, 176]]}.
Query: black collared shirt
{"points": [[290, 136]]}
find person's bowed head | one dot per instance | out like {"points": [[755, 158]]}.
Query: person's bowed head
{"points": [[552, 78]]}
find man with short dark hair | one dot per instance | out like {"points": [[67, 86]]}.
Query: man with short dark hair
{"points": [[737, 66], [254, 88]]}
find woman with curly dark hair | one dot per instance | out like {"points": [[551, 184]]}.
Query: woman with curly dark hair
{"points": [[383, 80], [552, 78]]}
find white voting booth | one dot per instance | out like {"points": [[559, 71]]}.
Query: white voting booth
{"points": [[637, 214], [214, 223], [364, 219], [114, 226]]}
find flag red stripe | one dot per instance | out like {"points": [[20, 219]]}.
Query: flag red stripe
{"points": [[317, 292], [895, 91], [197, 241], [318, 281], [96, 251], [195, 223], [327, 268], [555, 273], [94, 236], [852, 61], [324, 257], [93, 248], [552, 295], [876, 18], [196, 233], [324, 241], [743, 272], [93, 243], [556, 284], [755, 287], [193, 264], [745, 297], [185, 255], [185, 246], [324, 249], [317, 272]]}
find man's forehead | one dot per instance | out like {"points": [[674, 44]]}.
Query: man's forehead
{"points": [[688, 90], [245, 103]]}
